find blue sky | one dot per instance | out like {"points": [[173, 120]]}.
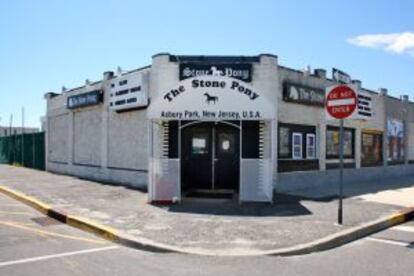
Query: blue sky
{"points": [[47, 44]]}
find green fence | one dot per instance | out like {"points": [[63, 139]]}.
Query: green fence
{"points": [[27, 150]]}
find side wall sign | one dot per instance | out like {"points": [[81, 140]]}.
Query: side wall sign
{"points": [[211, 98], [85, 99], [302, 94]]}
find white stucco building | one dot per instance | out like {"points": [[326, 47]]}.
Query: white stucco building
{"points": [[222, 125]]}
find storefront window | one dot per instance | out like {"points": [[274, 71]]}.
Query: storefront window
{"points": [[296, 142], [310, 146], [395, 133], [297, 145], [297, 149], [284, 138], [333, 140], [371, 149]]}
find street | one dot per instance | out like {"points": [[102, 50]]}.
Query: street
{"points": [[32, 244]]}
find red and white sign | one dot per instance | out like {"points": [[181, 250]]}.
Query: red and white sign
{"points": [[340, 101]]}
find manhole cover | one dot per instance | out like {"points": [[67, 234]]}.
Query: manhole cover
{"points": [[45, 221]]}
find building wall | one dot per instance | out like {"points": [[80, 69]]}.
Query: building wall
{"points": [[58, 138], [128, 140], [98, 143], [95, 142], [86, 125], [302, 114]]}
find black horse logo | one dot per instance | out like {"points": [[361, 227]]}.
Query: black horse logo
{"points": [[210, 98]]}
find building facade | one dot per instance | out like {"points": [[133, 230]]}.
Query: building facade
{"points": [[194, 125]]}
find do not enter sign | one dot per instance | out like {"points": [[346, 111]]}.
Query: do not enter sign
{"points": [[341, 101]]}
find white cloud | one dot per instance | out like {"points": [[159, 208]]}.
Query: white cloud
{"points": [[399, 43]]}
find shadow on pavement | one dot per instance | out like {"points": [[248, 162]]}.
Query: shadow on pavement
{"points": [[323, 192], [284, 205]]}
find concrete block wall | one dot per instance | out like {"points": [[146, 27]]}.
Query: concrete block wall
{"points": [[58, 139], [87, 124], [95, 142], [127, 140]]}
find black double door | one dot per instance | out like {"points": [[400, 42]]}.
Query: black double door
{"points": [[210, 156]]}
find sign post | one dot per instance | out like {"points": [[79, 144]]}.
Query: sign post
{"points": [[341, 169], [341, 102]]}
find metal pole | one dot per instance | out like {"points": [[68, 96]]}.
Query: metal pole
{"points": [[341, 169]]}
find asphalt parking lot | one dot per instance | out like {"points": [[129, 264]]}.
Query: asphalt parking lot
{"points": [[32, 244], [28, 237]]}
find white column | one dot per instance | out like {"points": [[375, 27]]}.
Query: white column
{"points": [[266, 80], [321, 145]]}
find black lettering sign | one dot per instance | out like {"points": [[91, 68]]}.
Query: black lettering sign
{"points": [[304, 95], [85, 99], [241, 71]]}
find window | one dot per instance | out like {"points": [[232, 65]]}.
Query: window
{"points": [[296, 145], [371, 149], [297, 148], [226, 143], [123, 82], [284, 142], [310, 146], [395, 133], [332, 143], [199, 145]]}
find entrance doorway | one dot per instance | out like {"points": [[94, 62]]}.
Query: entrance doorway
{"points": [[210, 156]]}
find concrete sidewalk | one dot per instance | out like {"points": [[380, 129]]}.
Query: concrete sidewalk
{"points": [[211, 228]]}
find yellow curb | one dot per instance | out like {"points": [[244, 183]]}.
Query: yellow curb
{"points": [[92, 227], [397, 218], [36, 204], [75, 221]]}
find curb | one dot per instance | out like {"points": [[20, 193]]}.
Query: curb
{"points": [[120, 237]]}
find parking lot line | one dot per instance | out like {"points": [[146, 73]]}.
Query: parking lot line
{"points": [[399, 243], [60, 255], [16, 213], [42, 232], [403, 228]]}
